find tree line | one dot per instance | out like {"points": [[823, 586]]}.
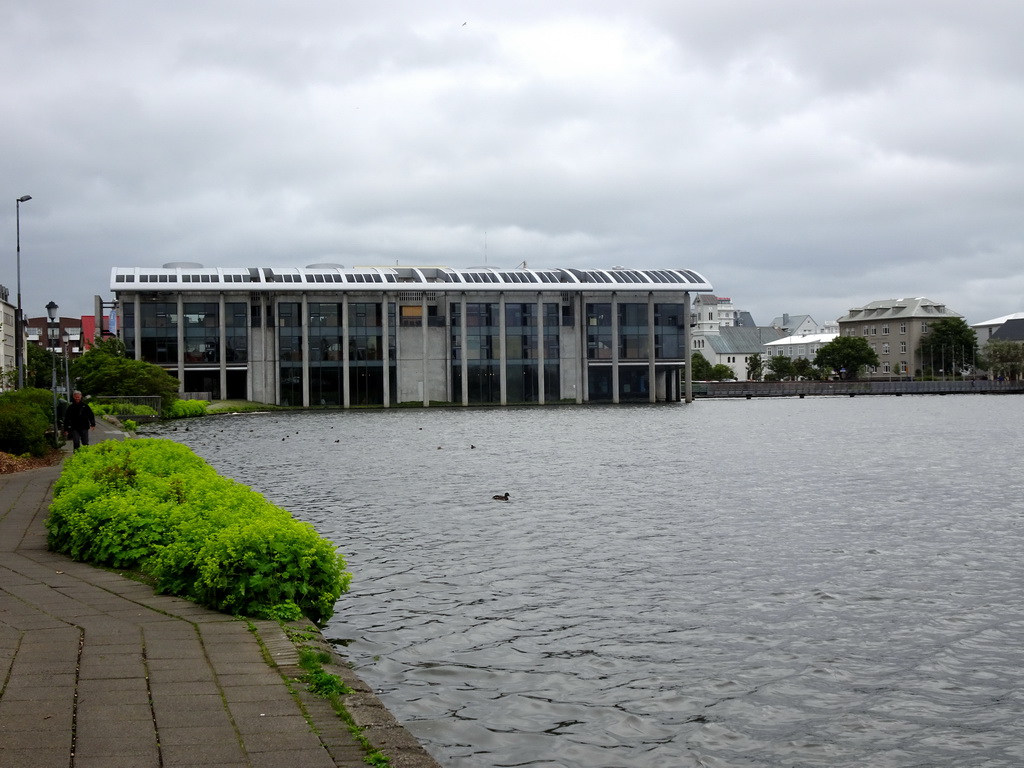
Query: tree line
{"points": [[949, 349]]}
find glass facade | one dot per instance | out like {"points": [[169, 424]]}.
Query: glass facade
{"points": [[201, 332], [289, 330], [367, 353], [236, 335], [324, 325], [633, 338], [128, 327], [481, 344], [523, 344], [552, 353], [159, 340], [634, 352], [599, 331], [370, 355], [669, 330], [481, 351]]}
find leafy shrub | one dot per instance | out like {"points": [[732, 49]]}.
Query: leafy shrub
{"points": [[105, 369], [22, 430], [122, 409], [129, 425], [25, 418], [182, 409], [154, 506]]}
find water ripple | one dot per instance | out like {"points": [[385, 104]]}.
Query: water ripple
{"points": [[829, 582]]}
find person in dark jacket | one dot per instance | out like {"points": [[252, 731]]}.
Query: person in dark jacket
{"points": [[78, 420]]}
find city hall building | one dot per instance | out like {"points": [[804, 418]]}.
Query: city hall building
{"points": [[326, 335]]}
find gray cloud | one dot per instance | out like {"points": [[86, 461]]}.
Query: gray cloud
{"points": [[805, 156]]}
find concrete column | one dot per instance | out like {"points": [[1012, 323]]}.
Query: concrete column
{"points": [[270, 348], [583, 391], [222, 344], [426, 350], [181, 345], [346, 394], [615, 347], [138, 326], [275, 334], [464, 361], [250, 352], [385, 330], [502, 372], [687, 341], [540, 348], [304, 332], [652, 371]]}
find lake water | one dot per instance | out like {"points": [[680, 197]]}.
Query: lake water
{"points": [[817, 582]]}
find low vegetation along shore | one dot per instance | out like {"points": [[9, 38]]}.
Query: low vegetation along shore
{"points": [[155, 511], [154, 507]]}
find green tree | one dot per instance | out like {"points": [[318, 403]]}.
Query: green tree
{"points": [[845, 355], [755, 367], [721, 371], [804, 369], [781, 368], [39, 364], [950, 345], [105, 369], [1004, 358], [700, 368]]}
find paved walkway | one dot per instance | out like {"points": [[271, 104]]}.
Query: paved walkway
{"points": [[96, 671]]}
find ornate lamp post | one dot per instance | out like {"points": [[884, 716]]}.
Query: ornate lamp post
{"points": [[19, 318]]}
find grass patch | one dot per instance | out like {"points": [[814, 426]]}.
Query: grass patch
{"points": [[326, 685]]}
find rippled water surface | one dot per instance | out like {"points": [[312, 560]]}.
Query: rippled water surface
{"points": [[818, 582]]}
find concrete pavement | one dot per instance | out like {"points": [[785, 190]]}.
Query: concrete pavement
{"points": [[96, 671]]}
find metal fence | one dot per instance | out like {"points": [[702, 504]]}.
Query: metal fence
{"points": [[750, 389]]}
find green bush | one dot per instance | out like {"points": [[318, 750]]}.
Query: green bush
{"points": [[23, 430], [121, 409], [183, 409], [26, 416], [154, 506]]}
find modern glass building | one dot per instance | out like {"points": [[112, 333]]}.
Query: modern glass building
{"points": [[326, 335]]}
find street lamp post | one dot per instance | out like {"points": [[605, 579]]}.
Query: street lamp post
{"points": [[66, 349], [51, 312], [19, 319]]}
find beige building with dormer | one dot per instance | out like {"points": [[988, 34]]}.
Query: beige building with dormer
{"points": [[894, 329]]}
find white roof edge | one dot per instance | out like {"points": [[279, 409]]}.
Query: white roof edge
{"points": [[809, 338]]}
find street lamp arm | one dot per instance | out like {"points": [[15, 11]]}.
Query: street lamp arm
{"points": [[19, 318]]}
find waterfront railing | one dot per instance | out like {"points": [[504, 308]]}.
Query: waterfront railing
{"points": [[750, 389]]}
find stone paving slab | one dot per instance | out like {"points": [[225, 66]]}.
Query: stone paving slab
{"points": [[96, 671]]}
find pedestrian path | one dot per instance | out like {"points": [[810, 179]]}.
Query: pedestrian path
{"points": [[96, 671]]}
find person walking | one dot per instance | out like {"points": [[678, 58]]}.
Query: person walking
{"points": [[78, 420]]}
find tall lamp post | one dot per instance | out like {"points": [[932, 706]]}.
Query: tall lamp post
{"points": [[66, 349], [51, 312], [19, 318]]}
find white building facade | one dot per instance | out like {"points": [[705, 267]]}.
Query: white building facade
{"points": [[798, 346], [8, 361]]}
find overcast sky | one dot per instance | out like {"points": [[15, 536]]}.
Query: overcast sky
{"points": [[805, 156]]}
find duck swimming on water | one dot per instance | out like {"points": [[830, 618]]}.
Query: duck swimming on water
{"points": [[501, 498]]}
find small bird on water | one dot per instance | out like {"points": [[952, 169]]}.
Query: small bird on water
{"points": [[501, 498]]}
